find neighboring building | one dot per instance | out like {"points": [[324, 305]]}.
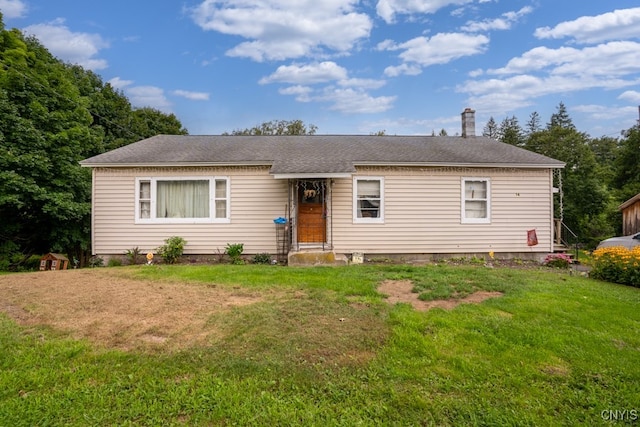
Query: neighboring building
{"points": [[381, 196], [630, 215]]}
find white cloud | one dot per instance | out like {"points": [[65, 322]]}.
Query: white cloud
{"points": [[387, 45], [119, 83], [616, 25], [282, 29], [302, 93], [13, 8], [631, 96], [306, 74], [362, 83], [605, 112], [148, 96], [355, 101], [610, 59], [351, 96], [194, 96], [438, 49], [76, 48], [406, 69], [519, 91], [503, 23], [388, 9]]}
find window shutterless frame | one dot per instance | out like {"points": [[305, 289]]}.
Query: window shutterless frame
{"points": [[210, 194], [368, 200], [475, 200]]}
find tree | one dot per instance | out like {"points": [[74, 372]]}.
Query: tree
{"points": [[627, 164], [52, 116], [490, 130], [510, 132], [533, 124], [278, 127], [585, 195], [148, 122], [443, 132], [606, 151], [561, 118]]}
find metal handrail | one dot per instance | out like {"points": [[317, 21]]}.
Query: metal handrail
{"points": [[563, 234]]}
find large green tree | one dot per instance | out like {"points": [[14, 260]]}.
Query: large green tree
{"points": [[52, 115], [585, 193]]}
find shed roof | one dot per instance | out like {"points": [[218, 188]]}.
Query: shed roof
{"points": [[320, 154], [629, 202]]}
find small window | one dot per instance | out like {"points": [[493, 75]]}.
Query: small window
{"points": [[368, 198], [182, 200], [476, 200], [144, 199]]}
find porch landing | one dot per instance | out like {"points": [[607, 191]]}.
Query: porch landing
{"points": [[316, 257]]}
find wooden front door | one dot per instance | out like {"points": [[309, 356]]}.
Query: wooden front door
{"points": [[311, 212]]}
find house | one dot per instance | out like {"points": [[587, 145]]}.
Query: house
{"points": [[630, 216], [415, 197]]}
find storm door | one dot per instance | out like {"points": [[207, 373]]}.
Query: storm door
{"points": [[312, 219]]}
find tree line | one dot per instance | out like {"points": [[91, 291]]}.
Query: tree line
{"points": [[600, 173]]}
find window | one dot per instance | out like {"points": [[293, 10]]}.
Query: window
{"points": [[368, 196], [182, 200], [476, 194]]}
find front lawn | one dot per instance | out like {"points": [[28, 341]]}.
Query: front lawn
{"points": [[320, 346]]}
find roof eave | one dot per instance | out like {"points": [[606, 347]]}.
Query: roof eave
{"points": [[172, 164], [629, 202], [310, 175], [467, 165]]}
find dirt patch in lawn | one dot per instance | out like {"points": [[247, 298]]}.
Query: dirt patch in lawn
{"points": [[114, 311], [402, 291]]}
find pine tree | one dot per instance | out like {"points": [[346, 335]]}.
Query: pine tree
{"points": [[510, 132], [561, 118], [490, 130]]}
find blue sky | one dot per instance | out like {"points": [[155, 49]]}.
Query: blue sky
{"points": [[354, 67]]}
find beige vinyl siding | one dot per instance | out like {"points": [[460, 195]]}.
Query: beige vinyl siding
{"points": [[256, 198], [423, 212]]}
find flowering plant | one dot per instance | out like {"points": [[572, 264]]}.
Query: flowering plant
{"points": [[558, 260], [617, 264]]}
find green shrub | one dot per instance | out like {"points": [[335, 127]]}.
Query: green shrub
{"points": [[96, 261], [114, 262], [172, 250], [234, 251], [133, 255], [263, 258]]}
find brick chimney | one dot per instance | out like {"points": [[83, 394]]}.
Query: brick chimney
{"points": [[468, 123]]}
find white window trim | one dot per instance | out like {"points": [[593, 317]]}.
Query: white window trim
{"points": [[212, 199], [380, 219], [463, 211]]}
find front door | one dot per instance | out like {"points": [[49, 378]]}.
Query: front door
{"points": [[311, 212]]}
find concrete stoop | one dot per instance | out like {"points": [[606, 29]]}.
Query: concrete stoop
{"points": [[316, 257]]}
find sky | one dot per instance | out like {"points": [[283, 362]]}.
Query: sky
{"points": [[406, 67]]}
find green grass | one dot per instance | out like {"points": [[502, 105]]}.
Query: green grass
{"points": [[554, 350]]}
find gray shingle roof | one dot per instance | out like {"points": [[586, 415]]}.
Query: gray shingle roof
{"points": [[319, 153]]}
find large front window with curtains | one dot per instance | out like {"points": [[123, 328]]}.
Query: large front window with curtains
{"points": [[182, 200]]}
